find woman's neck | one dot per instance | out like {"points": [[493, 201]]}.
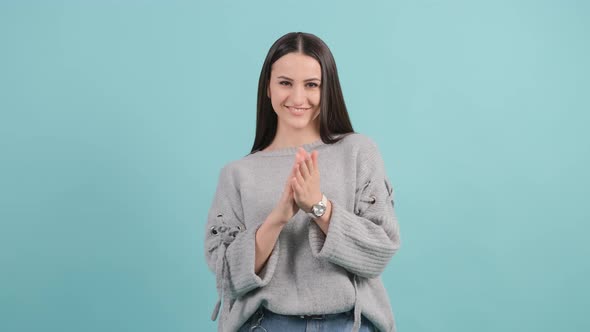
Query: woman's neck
{"points": [[284, 139]]}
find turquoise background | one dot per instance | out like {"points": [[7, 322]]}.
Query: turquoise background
{"points": [[116, 117]]}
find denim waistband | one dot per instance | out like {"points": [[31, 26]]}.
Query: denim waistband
{"points": [[319, 316]]}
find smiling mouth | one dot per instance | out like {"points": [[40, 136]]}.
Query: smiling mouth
{"points": [[297, 111]]}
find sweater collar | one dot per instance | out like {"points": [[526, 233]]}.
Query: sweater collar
{"points": [[289, 151]]}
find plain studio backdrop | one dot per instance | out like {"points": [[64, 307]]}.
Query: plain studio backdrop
{"points": [[116, 117]]}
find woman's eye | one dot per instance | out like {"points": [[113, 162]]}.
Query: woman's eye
{"points": [[311, 85]]}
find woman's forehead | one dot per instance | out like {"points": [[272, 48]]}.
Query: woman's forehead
{"points": [[297, 67]]}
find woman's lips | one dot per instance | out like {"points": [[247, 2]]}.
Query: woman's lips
{"points": [[297, 111]]}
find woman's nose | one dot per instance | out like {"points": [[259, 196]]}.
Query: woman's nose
{"points": [[298, 96]]}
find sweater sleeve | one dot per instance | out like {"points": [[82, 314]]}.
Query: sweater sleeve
{"points": [[226, 227], [364, 240]]}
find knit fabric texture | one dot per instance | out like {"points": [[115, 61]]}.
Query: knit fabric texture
{"points": [[307, 272]]}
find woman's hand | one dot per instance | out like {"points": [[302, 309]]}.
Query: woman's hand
{"points": [[306, 182], [286, 208]]}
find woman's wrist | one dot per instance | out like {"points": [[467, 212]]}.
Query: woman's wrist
{"points": [[275, 218], [318, 199], [324, 221]]}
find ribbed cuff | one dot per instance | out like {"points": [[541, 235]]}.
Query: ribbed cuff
{"points": [[241, 256], [353, 242]]}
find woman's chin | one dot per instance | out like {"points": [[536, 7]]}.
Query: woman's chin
{"points": [[299, 123]]}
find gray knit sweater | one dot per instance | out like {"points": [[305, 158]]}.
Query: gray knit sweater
{"points": [[307, 272]]}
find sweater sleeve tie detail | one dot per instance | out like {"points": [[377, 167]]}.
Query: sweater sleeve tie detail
{"points": [[357, 306], [225, 234]]}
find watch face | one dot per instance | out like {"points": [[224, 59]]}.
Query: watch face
{"points": [[319, 210]]}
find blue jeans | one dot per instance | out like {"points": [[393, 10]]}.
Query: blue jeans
{"points": [[264, 320]]}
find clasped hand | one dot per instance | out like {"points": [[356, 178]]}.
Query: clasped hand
{"points": [[302, 188], [305, 181]]}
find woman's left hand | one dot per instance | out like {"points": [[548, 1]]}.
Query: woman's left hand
{"points": [[306, 183]]}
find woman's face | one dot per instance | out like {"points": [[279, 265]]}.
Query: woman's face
{"points": [[294, 90]]}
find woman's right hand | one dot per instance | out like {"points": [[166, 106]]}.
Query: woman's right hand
{"points": [[286, 208]]}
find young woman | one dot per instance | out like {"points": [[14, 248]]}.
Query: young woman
{"points": [[301, 228]]}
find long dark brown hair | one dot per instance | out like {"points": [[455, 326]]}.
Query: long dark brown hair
{"points": [[333, 115]]}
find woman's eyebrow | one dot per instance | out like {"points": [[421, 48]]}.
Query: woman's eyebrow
{"points": [[309, 79]]}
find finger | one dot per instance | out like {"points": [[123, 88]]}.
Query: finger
{"points": [[295, 167], [314, 157], [299, 176], [304, 169], [301, 153], [309, 164], [298, 160], [292, 174], [296, 186], [306, 155], [298, 155]]}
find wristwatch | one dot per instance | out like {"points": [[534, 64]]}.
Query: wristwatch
{"points": [[318, 210]]}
